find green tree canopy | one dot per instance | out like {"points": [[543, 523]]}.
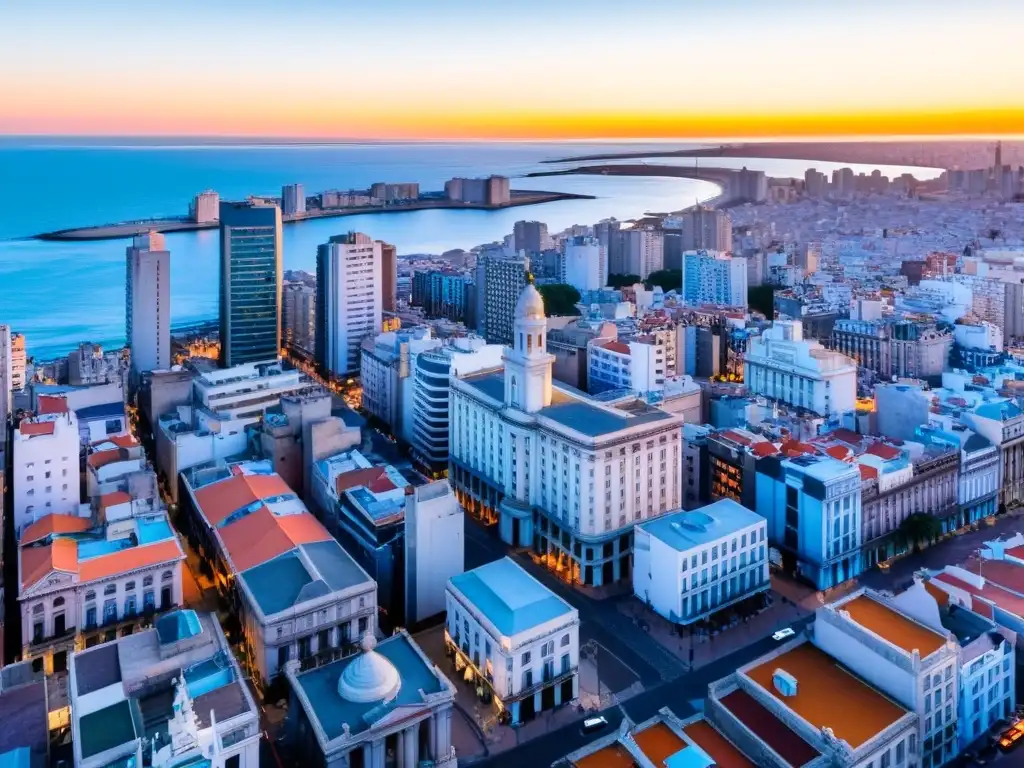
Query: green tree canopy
{"points": [[668, 279], [918, 528], [559, 299], [617, 281]]}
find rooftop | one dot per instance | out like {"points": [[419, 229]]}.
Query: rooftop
{"points": [[892, 626], [685, 529], [220, 499], [720, 749], [321, 688], [782, 739], [23, 712], [828, 695], [511, 599], [107, 728]]}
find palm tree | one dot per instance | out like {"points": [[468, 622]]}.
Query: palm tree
{"points": [[917, 528]]}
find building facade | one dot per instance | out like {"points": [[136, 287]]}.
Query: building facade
{"points": [[349, 300], [293, 200], [585, 263], [518, 637], [251, 272], [299, 321], [535, 456], [714, 277], [504, 280], [385, 367], [690, 565], [148, 303], [45, 475]]}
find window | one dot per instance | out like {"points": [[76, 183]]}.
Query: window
{"points": [[90, 595], [110, 589], [526, 658], [130, 586], [147, 581], [167, 576], [565, 640], [58, 602]]}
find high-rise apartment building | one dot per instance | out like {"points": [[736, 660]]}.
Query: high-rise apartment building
{"points": [[712, 277], [293, 200], [5, 382], [148, 303], [250, 283], [18, 362], [643, 251], [205, 207], [530, 236], [388, 276], [704, 228], [299, 321], [504, 280], [585, 264], [348, 306], [751, 186]]}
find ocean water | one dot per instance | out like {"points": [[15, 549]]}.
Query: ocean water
{"points": [[59, 294]]}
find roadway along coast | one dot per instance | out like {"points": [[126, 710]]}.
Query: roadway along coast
{"points": [[519, 197], [723, 177]]}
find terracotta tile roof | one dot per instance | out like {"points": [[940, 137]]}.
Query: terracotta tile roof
{"points": [[100, 459], [1017, 552], [262, 536], [129, 560], [867, 472], [658, 742], [124, 441], [357, 478], [736, 437], [841, 452], [50, 524], [998, 572], [719, 749], [33, 428], [382, 484], [764, 449], [786, 743], [989, 594], [38, 562], [829, 695], [616, 346], [219, 500], [883, 451], [941, 596], [113, 499], [893, 626], [612, 756], [793, 448], [845, 436], [51, 404]]}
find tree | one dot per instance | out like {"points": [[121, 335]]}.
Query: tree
{"points": [[559, 299], [618, 281], [918, 528], [668, 279], [762, 299]]}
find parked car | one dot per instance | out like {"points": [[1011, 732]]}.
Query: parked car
{"points": [[593, 725], [783, 634]]}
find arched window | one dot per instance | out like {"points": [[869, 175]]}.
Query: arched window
{"points": [[58, 602], [37, 608], [515, 391], [90, 595], [529, 342], [147, 581], [167, 576]]}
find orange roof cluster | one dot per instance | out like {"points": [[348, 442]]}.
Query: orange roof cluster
{"points": [[658, 742], [893, 626], [793, 448], [613, 756], [262, 536], [217, 501], [51, 404], [883, 451], [615, 346], [51, 524], [357, 478], [764, 449], [121, 441], [34, 428], [100, 459], [113, 499], [829, 695]]}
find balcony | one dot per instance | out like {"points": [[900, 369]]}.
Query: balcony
{"points": [[40, 642], [556, 679]]}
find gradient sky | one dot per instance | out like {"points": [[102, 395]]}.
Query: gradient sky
{"points": [[422, 69]]}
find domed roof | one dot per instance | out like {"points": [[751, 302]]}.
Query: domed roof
{"points": [[370, 677], [531, 304]]}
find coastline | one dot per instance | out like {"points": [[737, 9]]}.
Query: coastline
{"points": [[127, 229], [721, 177]]}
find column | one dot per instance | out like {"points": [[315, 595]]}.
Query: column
{"points": [[432, 736], [400, 750], [410, 747], [377, 754]]}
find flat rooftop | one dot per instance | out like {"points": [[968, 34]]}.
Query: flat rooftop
{"points": [[509, 597], [25, 719], [686, 529], [829, 695], [893, 626], [721, 750]]}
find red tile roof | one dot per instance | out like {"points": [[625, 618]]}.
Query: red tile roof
{"points": [[793, 448], [130, 559], [357, 478], [219, 500], [33, 428], [51, 404], [736, 437], [989, 594], [100, 459], [616, 346], [764, 449], [121, 441], [1001, 572], [1017, 552], [50, 524], [717, 747], [262, 536], [786, 743], [113, 499], [38, 562], [883, 451], [846, 436], [867, 472]]}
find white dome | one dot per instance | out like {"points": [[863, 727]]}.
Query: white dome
{"points": [[531, 304], [370, 677]]}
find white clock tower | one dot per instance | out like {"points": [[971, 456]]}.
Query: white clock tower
{"points": [[527, 362]]}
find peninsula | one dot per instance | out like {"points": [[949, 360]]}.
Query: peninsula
{"points": [[316, 210]]}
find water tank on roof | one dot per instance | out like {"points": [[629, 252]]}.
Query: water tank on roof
{"points": [[784, 682]]}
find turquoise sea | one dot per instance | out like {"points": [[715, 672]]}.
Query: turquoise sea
{"points": [[59, 294]]}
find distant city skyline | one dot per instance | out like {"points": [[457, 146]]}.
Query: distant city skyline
{"points": [[402, 70]]}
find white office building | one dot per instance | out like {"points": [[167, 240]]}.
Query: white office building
{"points": [[172, 695], [637, 366], [293, 200], [245, 392], [426, 423], [782, 365], [349, 300], [520, 639], [585, 264], [46, 467], [565, 474], [435, 548], [689, 565], [385, 367], [148, 303]]}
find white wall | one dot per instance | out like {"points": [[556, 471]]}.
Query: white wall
{"points": [[435, 548]]}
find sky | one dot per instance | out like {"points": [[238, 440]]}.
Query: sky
{"points": [[522, 69]]}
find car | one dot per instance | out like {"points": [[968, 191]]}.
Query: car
{"points": [[593, 725], [782, 634]]}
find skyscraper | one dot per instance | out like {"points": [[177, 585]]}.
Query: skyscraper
{"points": [[388, 275], [348, 300], [5, 382], [299, 320], [710, 277], [504, 280], [250, 283], [643, 251], [530, 236], [293, 200], [706, 228], [148, 303], [583, 264]]}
